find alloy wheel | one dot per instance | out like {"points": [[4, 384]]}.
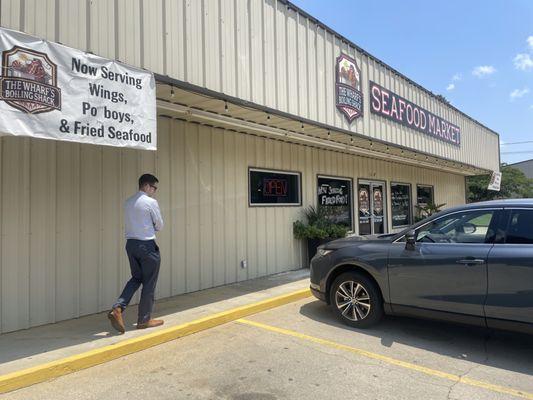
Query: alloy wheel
{"points": [[352, 300]]}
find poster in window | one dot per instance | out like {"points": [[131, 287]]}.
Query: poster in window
{"points": [[378, 201], [401, 205], [274, 187], [364, 203], [424, 195], [363, 196], [335, 194]]}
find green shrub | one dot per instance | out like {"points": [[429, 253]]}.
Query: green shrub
{"points": [[427, 210], [318, 225]]}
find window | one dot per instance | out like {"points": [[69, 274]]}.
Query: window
{"points": [[335, 195], [401, 204], [520, 230], [424, 195], [274, 188], [461, 227]]}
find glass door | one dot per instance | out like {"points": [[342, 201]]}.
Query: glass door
{"points": [[372, 206]]}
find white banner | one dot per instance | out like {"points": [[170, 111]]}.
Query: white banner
{"points": [[51, 91], [495, 181]]}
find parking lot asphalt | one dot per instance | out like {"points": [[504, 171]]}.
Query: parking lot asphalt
{"points": [[301, 351]]}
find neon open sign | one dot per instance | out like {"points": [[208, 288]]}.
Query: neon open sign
{"points": [[275, 187]]}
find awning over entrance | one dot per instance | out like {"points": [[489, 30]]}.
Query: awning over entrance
{"points": [[181, 100]]}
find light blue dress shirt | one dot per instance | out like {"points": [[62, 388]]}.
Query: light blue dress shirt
{"points": [[142, 217]]}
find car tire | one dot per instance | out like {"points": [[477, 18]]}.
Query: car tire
{"points": [[356, 300]]}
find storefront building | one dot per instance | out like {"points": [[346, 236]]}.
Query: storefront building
{"points": [[261, 111]]}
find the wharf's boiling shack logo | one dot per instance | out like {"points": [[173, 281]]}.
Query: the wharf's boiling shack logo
{"points": [[29, 81], [349, 98]]}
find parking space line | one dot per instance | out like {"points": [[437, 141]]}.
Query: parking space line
{"points": [[392, 361]]}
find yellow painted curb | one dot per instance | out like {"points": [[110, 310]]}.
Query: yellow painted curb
{"points": [[54, 369]]}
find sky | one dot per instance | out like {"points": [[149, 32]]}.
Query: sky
{"points": [[477, 54]]}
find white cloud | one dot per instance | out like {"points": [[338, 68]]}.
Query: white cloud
{"points": [[530, 42], [517, 93], [531, 106], [483, 70], [523, 61], [457, 77], [450, 87]]}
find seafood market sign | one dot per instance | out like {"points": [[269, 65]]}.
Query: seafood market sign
{"points": [[389, 105], [348, 96], [51, 91]]}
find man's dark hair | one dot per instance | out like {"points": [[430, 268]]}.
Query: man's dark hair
{"points": [[147, 179]]}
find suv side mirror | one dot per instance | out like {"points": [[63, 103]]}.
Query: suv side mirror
{"points": [[410, 240]]}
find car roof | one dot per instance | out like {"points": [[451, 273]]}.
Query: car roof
{"points": [[491, 203], [499, 203]]}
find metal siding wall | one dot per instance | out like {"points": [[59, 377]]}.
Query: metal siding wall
{"points": [[269, 54], [62, 248], [154, 36], [164, 172], [281, 57], [15, 246], [129, 35], [228, 48], [175, 38], [103, 41], [262, 51]]}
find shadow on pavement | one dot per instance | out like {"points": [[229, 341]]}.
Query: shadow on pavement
{"points": [[93, 331], [499, 349]]}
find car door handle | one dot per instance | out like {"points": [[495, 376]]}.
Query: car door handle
{"points": [[471, 261]]}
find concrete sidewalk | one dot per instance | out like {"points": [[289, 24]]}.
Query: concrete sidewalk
{"points": [[36, 346]]}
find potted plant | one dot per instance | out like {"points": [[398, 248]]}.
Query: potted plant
{"points": [[317, 229], [426, 210]]}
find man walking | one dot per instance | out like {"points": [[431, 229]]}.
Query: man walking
{"points": [[142, 219]]}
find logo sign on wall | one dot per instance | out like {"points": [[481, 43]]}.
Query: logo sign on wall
{"points": [[51, 91], [349, 99], [36, 77]]}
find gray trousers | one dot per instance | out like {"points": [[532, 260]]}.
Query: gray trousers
{"points": [[144, 264]]}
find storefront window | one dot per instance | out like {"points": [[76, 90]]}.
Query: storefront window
{"points": [[424, 195], [274, 188], [335, 195], [401, 204]]}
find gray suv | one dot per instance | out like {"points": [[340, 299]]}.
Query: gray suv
{"points": [[471, 264]]}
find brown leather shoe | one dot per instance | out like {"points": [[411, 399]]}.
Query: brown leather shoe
{"points": [[151, 324], [115, 317]]}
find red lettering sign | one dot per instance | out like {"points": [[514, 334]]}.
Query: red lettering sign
{"points": [[275, 187]]}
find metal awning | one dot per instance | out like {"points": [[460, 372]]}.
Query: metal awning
{"points": [[180, 100]]}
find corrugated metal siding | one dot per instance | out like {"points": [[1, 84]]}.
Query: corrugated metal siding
{"points": [[257, 50], [62, 249]]}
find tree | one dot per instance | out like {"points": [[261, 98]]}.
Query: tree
{"points": [[514, 185], [442, 98]]}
